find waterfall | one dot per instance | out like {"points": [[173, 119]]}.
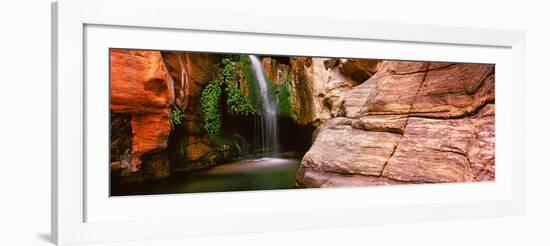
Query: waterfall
{"points": [[268, 116]]}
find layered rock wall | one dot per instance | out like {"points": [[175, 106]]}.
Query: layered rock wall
{"points": [[411, 122], [142, 89], [145, 86], [191, 72], [318, 84]]}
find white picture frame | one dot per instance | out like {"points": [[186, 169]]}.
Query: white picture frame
{"points": [[83, 213]]}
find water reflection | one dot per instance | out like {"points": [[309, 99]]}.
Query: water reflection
{"points": [[259, 174]]}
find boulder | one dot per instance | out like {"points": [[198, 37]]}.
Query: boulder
{"points": [[340, 148], [197, 150]]}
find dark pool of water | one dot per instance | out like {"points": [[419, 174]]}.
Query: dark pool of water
{"points": [[259, 174]]}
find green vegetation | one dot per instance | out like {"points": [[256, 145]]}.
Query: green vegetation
{"points": [[219, 140], [237, 103], [177, 116], [227, 77], [235, 69], [229, 71], [285, 100], [280, 91], [251, 82], [210, 105]]}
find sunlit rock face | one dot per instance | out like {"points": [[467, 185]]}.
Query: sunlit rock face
{"points": [[410, 122], [318, 84], [142, 88]]}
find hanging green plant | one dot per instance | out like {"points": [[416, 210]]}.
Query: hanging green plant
{"points": [[250, 79], [229, 71], [227, 79], [237, 103], [285, 99], [177, 116], [210, 105]]}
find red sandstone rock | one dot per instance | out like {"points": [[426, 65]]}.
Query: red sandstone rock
{"points": [[140, 83], [190, 72], [359, 69], [141, 87], [150, 133]]}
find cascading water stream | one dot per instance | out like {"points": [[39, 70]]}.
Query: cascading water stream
{"points": [[268, 115]]}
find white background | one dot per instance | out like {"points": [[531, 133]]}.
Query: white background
{"points": [[25, 123]]}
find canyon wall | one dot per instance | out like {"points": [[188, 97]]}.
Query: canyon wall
{"points": [[145, 86], [141, 94], [191, 73], [377, 122], [317, 85], [411, 122]]}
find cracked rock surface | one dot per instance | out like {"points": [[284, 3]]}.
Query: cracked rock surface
{"points": [[410, 122]]}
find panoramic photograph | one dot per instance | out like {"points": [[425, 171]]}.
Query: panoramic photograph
{"points": [[192, 122]]}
